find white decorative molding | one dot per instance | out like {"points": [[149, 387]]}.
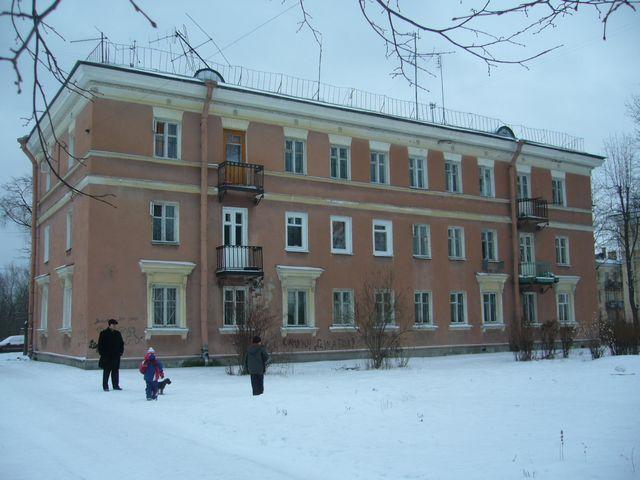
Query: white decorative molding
{"points": [[452, 157], [486, 162], [296, 133], [340, 140], [521, 168], [299, 278], [167, 113], [376, 146], [235, 124], [417, 152], [558, 174]]}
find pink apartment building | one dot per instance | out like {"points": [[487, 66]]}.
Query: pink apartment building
{"points": [[219, 192]]}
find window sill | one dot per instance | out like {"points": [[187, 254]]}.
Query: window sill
{"points": [[153, 331], [161, 243], [424, 327], [492, 326], [461, 326], [298, 330], [296, 250], [228, 330], [341, 252], [563, 265], [166, 158], [568, 324], [65, 331], [383, 254], [342, 328], [422, 257], [418, 188], [458, 259], [42, 332], [299, 174]]}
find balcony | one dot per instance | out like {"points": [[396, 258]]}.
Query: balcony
{"points": [[239, 261], [614, 305], [491, 266], [242, 177], [532, 212], [536, 273], [613, 285]]}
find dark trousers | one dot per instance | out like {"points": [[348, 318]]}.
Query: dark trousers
{"points": [[152, 389], [111, 367], [257, 384]]}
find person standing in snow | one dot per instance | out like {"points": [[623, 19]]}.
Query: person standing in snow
{"points": [[152, 370], [110, 348], [255, 363]]}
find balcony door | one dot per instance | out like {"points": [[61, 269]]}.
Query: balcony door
{"points": [[527, 255], [235, 233], [524, 192], [235, 151]]}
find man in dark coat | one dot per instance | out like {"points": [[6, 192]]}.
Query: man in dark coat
{"points": [[110, 348], [256, 364]]}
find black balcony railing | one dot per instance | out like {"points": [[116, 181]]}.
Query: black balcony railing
{"points": [[240, 176], [615, 304], [492, 266], [536, 273], [533, 211], [239, 260], [613, 285]]}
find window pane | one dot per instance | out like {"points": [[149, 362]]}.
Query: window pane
{"points": [[291, 307], [380, 240], [159, 148], [172, 129], [339, 235], [302, 308], [157, 229]]}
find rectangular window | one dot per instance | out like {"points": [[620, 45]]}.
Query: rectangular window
{"points": [[452, 176], [69, 229], [46, 240], [456, 243], [66, 304], [382, 238], [456, 304], [564, 308], [422, 308], [235, 305], [343, 309], [234, 143], [379, 168], [340, 162], [294, 157], [166, 139], [489, 245], [164, 222], [486, 181], [44, 307], [417, 173], [296, 308], [489, 308], [296, 232], [341, 235], [558, 192], [165, 306], [529, 307], [384, 306], [421, 241], [562, 250], [71, 150]]}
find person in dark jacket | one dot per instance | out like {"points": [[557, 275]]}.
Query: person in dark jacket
{"points": [[256, 364], [110, 348]]}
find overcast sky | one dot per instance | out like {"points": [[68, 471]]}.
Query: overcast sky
{"points": [[580, 88]]}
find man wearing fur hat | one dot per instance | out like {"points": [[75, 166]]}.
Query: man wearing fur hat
{"points": [[110, 348]]}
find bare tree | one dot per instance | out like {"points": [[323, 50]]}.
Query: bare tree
{"points": [[617, 205], [381, 318], [14, 295], [15, 202]]}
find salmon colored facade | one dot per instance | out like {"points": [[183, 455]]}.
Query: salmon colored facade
{"points": [[301, 239]]}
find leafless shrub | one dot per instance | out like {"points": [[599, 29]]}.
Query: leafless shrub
{"points": [[521, 341], [595, 331], [567, 336], [548, 336], [623, 338]]}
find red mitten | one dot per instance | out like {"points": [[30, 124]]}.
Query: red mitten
{"points": [[161, 374]]}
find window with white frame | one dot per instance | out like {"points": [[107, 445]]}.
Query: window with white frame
{"points": [[46, 170], [562, 250], [296, 234], [343, 308], [341, 240], [384, 306], [296, 308], [457, 308], [486, 181], [46, 240], [167, 141], [564, 308], [456, 243], [65, 273], [294, 156], [379, 168], [422, 308], [489, 307], [421, 241], [340, 167], [452, 176], [165, 222], [235, 305], [491, 293], [71, 150], [417, 172], [69, 229], [490, 245], [382, 238], [165, 305], [298, 298], [565, 290], [43, 282], [558, 194], [529, 308]]}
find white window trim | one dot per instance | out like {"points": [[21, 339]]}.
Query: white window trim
{"points": [[463, 255], [428, 254], [392, 325], [386, 167], [71, 149], [492, 283], [233, 328], [496, 254], [305, 227], [166, 118], [348, 235], [536, 322], [425, 170], [346, 326], [567, 284], [69, 229], [167, 274], [43, 283], [564, 191], [65, 273], [459, 325], [454, 158], [46, 241], [566, 242], [492, 179], [293, 157], [338, 146], [176, 225], [424, 326], [298, 278], [388, 224]]}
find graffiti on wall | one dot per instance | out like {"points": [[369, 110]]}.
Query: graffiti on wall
{"points": [[318, 344], [130, 335]]}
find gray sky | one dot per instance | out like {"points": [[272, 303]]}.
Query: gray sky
{"points": [[580, 89]]}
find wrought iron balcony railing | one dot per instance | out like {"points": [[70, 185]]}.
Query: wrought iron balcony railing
{"points": [[612, 285], [239, 260], [240, 176], [536, 272], [492, 266], [533, 211]]}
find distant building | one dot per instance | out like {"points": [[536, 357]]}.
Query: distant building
{"points": [[611, 294], [298, 200]]}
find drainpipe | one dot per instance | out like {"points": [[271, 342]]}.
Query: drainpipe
{"points": [[30, 331], [515, 244], [204, 187]]}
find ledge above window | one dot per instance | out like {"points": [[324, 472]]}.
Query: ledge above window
{"points": [[298, 330], [153, 331]]}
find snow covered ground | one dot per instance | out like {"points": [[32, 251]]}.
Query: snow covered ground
{"points": [[460, 417]]}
